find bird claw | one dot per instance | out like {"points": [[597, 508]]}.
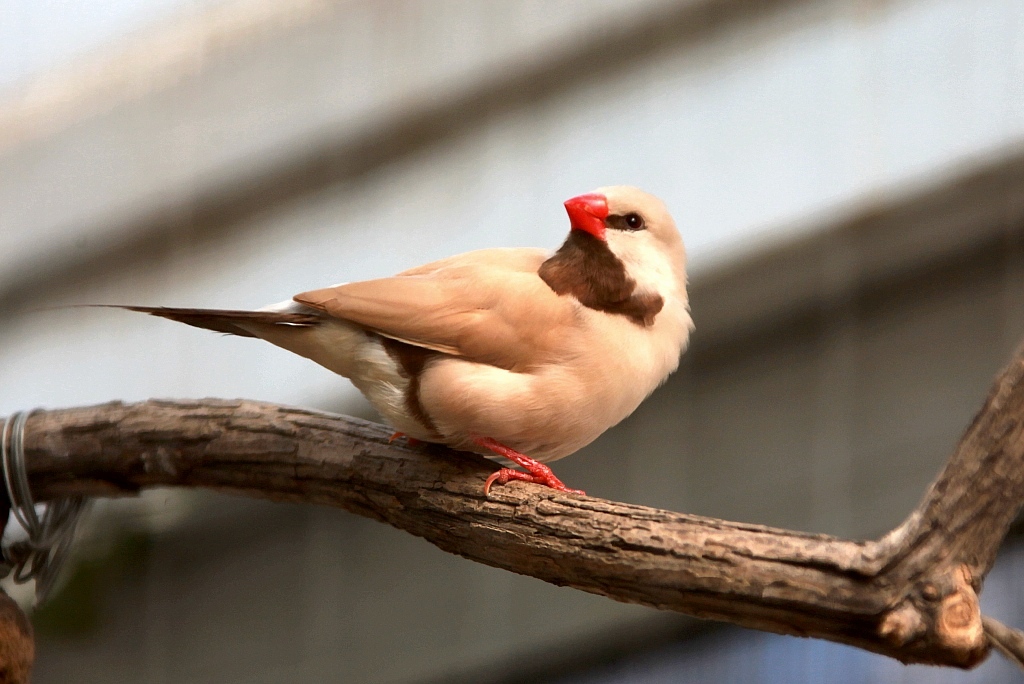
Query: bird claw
{"points": [[538, 472], [506, 475], [411, 441]]}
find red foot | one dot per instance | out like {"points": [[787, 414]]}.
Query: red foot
{"points": [[538, 472], [411, 441]]}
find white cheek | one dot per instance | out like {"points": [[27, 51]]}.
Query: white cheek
{"points": [[649, 266]]}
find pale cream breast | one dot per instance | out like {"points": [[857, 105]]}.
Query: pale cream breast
{"points": [[608, 365]]}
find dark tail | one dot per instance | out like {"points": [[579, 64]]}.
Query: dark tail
{"points": [[224, 320]]}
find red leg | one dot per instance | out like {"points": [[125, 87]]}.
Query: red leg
{"points": [[411, 441], [537, 471]]}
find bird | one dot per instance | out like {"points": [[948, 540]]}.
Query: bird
{"points": [[520, 354]]}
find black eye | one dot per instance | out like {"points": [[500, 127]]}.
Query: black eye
{"points": [[634, 221]]}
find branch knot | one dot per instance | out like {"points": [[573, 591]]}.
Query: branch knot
{"points": [[943, 611], [958, 618]]}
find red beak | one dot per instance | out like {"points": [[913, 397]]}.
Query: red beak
{"points": [[587, 213]]}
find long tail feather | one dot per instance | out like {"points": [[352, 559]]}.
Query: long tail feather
{"points": [[225, 320]]}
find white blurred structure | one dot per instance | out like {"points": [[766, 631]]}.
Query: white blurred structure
{"points": [[848, 174]]}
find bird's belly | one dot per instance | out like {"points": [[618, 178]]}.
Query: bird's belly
{"points": [[546, 414]]}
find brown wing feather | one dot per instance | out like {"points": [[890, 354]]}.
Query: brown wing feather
{"points": [[224, 320], [488, 306], [405, 308]]}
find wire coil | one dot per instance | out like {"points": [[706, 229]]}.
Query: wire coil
{"points": [[50, 535]]}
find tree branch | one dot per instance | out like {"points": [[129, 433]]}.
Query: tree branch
{"points": [[912, 595]]}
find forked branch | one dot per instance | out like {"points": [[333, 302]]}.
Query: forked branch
{"points": [[912, 595]]}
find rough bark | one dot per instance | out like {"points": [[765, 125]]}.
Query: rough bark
{"points": [[912, 595]]}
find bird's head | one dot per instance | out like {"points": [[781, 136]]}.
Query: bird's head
{"points": [[637, 229], [623, 255]]}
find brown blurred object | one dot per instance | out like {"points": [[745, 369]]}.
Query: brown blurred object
{"points": [[17, 644]]}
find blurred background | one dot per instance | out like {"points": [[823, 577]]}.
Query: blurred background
{"points": [[848, 175]]}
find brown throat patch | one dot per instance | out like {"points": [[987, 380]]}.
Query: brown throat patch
{"points": [[412, 360], [585, 268]]}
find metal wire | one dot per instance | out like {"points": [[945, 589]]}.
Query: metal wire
{"points": [[50, 536]]}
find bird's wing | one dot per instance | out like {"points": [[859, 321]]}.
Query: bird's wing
{"points": [[488, 306]]}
